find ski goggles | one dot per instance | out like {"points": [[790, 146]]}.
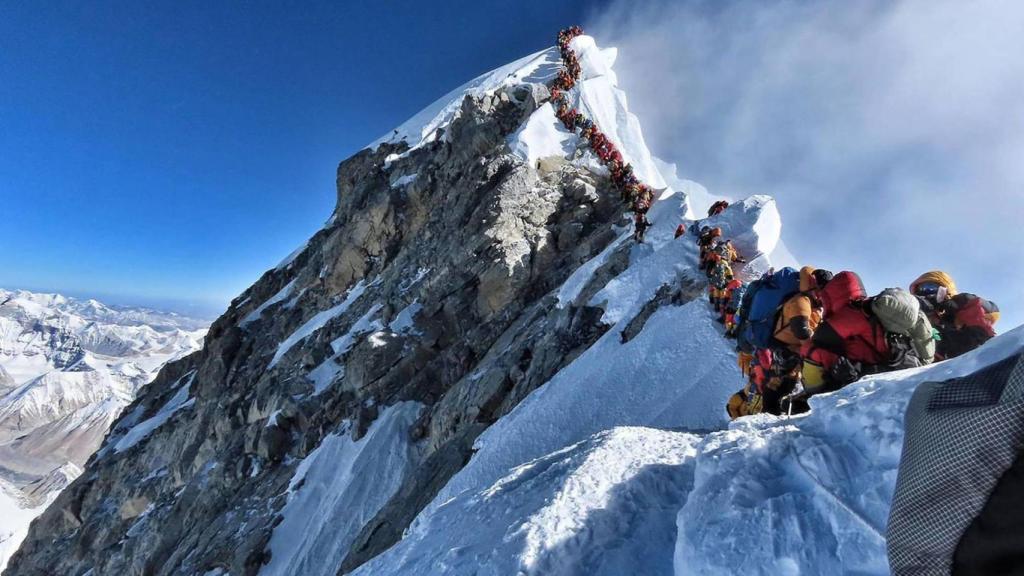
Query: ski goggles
{"points": [[927, 289]]}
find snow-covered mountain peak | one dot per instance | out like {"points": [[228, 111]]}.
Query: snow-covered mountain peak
{"points": [[475, 368], [430, 123], [479, 259], [542, 135]]}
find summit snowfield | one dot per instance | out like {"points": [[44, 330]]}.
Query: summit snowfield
{"points": [[68, 368], [474, 369]]}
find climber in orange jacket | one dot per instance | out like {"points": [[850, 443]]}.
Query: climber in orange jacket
{"points": [[801, 313], [964, 321]]}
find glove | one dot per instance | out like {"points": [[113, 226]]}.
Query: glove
{"points": [[845, 371]]}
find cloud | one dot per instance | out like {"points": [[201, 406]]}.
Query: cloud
{"points": [[891, 133]]}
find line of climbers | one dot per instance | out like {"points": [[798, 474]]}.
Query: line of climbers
{"points": [[805, 332], [636, 194]]}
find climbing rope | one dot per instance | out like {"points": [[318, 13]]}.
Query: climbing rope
{"points": [[636, 194]]}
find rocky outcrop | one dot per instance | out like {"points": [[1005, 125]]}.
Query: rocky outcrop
{"points": [[431, 283]]}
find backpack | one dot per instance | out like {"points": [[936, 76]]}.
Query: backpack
{"points": [[900, 313], [720, 274], [971, 310], [765, 297], [844, 288]]}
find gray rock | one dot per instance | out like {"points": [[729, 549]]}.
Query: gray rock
{"points": [[480, 240]]}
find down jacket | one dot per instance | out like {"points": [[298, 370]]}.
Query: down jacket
{"points": [[800, 315]]}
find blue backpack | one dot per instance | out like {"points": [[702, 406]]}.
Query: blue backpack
{"points": [[761, 303]]}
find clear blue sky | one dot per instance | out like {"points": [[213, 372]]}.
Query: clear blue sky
{"points": [[168, 153]]}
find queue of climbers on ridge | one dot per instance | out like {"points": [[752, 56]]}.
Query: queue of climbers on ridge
{"points": [[798, 333], [804, 332], [637, 195]]}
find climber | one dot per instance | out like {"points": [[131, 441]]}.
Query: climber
{"points": [[776, 373], [735, 289], [720, 274], [717, 208], [801, 313], [710, 253], [775, 370], [964, 321], [773, 375], [719, 277], [861, 336], [641, 225], [761, 300], [908, 331], [968, 321], [643, 200], [746, 402], [704, 240], [845, 341]]}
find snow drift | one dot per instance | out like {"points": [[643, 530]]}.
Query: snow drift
{"points": [[801, 495]]}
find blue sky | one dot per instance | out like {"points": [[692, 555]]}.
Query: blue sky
{"points": [[168, 153]]}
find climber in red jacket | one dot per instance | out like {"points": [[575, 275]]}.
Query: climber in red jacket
{"points": [[848, 342], [717, 208]]}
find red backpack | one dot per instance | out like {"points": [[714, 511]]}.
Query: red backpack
{"points": [[976, 312], [846, 329], [844, 288]]}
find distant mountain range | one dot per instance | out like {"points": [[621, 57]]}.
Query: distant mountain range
{"points": [[68, 367]]}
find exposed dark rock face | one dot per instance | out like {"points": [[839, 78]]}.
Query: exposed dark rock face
{"points": [[470, 234]]}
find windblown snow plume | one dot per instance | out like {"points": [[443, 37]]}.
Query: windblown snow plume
{"points": [[839, 111]]}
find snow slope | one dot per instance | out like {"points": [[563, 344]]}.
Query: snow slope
{"points": [[676, 374], [679, 382], [625, 462], [336, 490], [810, 495], [16, 512], [603, 506], [801, 495]]}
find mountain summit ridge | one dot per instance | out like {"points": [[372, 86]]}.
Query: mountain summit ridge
{"points": [[431, 284], [473, 367]]}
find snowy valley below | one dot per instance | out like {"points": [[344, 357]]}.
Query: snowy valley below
{"points": [[68, 368], [471, 369]]}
